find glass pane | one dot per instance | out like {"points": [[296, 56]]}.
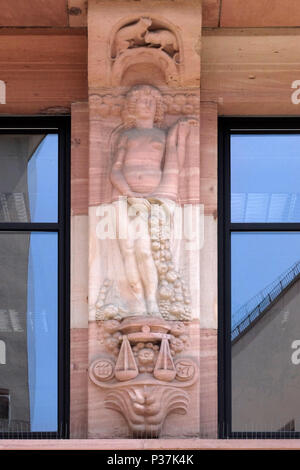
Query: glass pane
{"points": [[265, 178], [28, 178], [265, 331], [28, 330]]}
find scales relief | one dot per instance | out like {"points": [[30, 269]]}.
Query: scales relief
{"points": [[145, 376]]}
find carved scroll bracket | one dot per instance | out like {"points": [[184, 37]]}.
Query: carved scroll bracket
{"points": [[146, 408]]}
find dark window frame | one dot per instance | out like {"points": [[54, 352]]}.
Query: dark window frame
{"points": [[4, 393], [226, 127], [52, 125]]}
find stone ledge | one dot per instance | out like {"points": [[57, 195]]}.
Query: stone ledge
{"points": [[150, 444]]}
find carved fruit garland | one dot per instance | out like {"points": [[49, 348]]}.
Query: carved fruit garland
{"points": [[173, 294]]}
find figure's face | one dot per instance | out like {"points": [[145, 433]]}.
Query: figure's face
{"points": [[145, 107]]}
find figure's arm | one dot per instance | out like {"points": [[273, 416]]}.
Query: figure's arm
{"points": [[176, 144], [116, 176], [184, 128], [167, 187], [183, 131]]}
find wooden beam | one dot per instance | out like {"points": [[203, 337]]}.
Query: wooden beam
{"points": [[43, 73], [250, 71], [260, 13], [33, 13]]}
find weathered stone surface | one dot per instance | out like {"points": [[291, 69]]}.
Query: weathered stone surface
{"points": [[79, 378], [79, 161], [209, 157], [208, 383], [79, 271]]}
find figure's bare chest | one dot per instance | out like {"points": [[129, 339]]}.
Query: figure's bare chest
{"points": [[145, 148]]}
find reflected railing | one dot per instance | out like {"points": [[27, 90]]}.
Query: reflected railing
{"points": [[255, 307]]}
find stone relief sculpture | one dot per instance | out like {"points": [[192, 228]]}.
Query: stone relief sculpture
{"points": [[147, 161], [131, 36], [144, 377], [143, 291], [162, 37], [184, 104], [145, 371], [144, 32], [145, 40], [145, 409]]}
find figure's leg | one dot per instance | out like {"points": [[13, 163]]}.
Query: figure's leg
{"points": [[127, 249], [131, 269], [148, 274]]}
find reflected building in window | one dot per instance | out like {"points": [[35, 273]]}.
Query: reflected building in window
{"points": [[15, 153], [28, 287], [265, 379]]}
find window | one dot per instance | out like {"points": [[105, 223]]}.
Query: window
{"points": [[259, 277], [4, 407], [34, 274]]}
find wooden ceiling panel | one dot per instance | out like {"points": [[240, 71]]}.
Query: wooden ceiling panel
{"points": [[251, 71], [77, 10], [260, 13], [33, 13], [43, 73], [210, 13]]}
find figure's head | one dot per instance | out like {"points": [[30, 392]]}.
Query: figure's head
{"points": [[143, 102]]}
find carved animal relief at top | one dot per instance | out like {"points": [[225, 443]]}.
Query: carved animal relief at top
{"points": [[146, 33]]}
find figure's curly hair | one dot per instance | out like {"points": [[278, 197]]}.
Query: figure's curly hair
{"points": [[129, 114]]}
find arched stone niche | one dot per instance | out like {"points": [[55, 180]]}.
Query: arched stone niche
{"points": [[147, 50]]}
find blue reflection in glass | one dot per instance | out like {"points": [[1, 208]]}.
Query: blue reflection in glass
{"points": [[42, 330], [265, 173], [258, 259], [42, 174]]}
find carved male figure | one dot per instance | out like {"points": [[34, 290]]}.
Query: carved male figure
{"points": [[147, 162]]}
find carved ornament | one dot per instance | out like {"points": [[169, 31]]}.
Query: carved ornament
{"points": [[146, 373]]}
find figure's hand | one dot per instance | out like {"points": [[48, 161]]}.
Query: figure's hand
{"points": [[189, 120], [166, 204], [183, 129], [140, 203]]}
